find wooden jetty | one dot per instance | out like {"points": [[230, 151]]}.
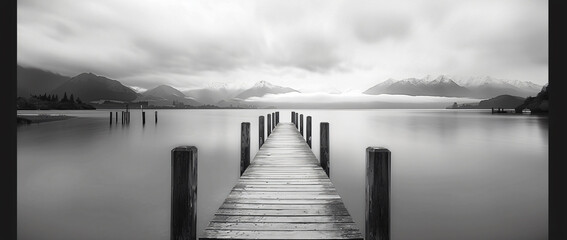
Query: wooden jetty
{"points": [[283, 194]]}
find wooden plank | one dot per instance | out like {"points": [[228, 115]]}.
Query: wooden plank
{"points": [[283, 194]]}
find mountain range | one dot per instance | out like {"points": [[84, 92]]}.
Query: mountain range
{"points": [[447, 86], [90, 87]]}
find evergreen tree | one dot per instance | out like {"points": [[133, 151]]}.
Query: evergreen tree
{"points": [[64, 99], [72, 99], [79, 100], [56, 98]]}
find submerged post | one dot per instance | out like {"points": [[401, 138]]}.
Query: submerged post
{"points": [[269, 124], [308, 131], [143, 118], [244, 146], [183, 193], [110, 118], [378, 162], [324, 153], [277, 118], [293, 117], [260, 131], [156, 116], [301, 124]]}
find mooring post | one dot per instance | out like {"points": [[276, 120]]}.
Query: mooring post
{"points": [[324, 153], [293, 117], [122, 117], [116, 115], [277, 118], [244, 146], [110, 118], [156, 116], [301, 124], [260, 131], [378, 162], [297, 120], [269, 128], [308, 131], [183, 193], [143, 118]]}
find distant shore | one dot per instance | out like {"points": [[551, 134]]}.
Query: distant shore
{"points": [[39, 118]]}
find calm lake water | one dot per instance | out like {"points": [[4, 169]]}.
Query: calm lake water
{"points": [[456, 174]]}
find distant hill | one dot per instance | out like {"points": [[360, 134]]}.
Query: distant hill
{"points": [[213, 95], [441, 86], [447, 86], [165, 95], [502, 101], [537, 104], [262, 88], [34, 81], [90, 87]]}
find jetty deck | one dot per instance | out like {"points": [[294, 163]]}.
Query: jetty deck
{"points": [[283, 194]]}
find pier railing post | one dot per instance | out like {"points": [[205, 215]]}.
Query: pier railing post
{"points": [[308, 131], [260, 131], [273, 120], [183, 193], [378, 162], [269, 128], [297, 120], [244, 146], [293, 117], [324, 147], [277, 118], [301, 124]]}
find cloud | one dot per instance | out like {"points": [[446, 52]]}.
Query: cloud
{"points": [[353, 97], [312, 44]]}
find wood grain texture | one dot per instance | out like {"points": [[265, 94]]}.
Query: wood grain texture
{"points": [[283, 194]]}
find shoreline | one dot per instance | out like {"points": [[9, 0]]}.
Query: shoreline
{"points": [[40, 118]]}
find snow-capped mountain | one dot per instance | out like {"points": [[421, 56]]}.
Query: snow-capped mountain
{"points": [[450, 86], [262, 88], [440, 86]]}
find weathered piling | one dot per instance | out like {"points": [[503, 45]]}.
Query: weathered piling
{"points": [[378, 162], [244, 146], [277, 118], [308, 131], [110, 118], [143, 118], [273, 120], [297, 120], [269, 128], [293, 117], [183, 193], [260, 131], [324, 148], [301, 124], [116, 115], [122, 117], [155, 113]]}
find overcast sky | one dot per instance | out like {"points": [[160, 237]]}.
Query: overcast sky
{"points": [[308, 45]]}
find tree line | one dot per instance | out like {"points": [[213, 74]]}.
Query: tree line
{"points": [[55, 98]]}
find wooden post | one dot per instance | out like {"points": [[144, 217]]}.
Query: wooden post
{"points": [[296, 120], [273, 120], [116, 115], [143, 118], [308, 131], [183, 193], [378, 162], [110, 118], [277, 118], [122, 117], [324, 153], [301, 124], [260, 131], [156, 116], [269, 124], [244, 146], [293, 117]]}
